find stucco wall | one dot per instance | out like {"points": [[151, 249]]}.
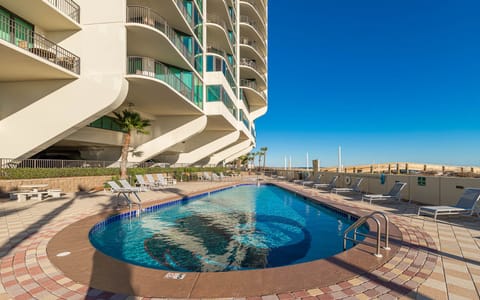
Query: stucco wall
{"points": [[438, 190], [66, 184]]}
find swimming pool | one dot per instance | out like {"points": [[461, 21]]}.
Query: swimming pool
{"points": [[241, 228]]}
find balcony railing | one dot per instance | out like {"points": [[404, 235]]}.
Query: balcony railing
{"points": [[152, 68], [249, 83], [220, 22], [25, 38], [183, 10], [146, 16], [251, 22], [68, 7], [216, 50]]}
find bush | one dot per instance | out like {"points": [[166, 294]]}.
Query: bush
{"points": [[30, 173]]}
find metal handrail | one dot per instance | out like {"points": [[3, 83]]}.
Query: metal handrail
{"points": [[378, 236]]}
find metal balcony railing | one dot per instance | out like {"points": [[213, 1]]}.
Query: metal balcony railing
{"points": [[183, 10], [25, 38], [152, 68], [68, 7], [146, 16], [249, 83]]}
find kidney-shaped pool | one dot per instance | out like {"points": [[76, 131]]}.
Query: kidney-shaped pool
{"points": [[240, 228]]}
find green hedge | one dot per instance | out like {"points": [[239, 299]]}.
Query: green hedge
{"points": [[27, 173]]}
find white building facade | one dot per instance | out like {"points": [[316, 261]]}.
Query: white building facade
{"points": [[196, 69]]}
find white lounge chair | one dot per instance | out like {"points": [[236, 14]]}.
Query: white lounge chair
{"points": [[327, 186], [157, 183], [206, 176], [141, 182], [465, 205], [355, 188], [394, 193], [316, 180], [126, 185], [166, 181], [215, 177], [124, 191]]}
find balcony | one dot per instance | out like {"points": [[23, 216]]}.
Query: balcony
{"points": [[250, 8], [149, 39], [256, 98], [51, 15], [218, 103], [249, 69], [32, 56], [217, 30], [217, 63], [258, 30], [183, 84]]}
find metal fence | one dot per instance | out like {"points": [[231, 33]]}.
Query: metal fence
{"points": [[9, 163]]}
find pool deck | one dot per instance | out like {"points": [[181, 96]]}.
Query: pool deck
{"points": [[435, 260]]}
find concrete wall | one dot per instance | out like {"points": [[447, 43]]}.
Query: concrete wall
{"points": [[438, 190], [66, 184]]}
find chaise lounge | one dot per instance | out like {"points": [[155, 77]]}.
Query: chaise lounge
{"points": [[394, 193], [465, 205], [355, 188]]}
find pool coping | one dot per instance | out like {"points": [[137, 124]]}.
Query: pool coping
{"points": [[88, 266]]}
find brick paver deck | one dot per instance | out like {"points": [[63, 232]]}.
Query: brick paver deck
{"points": [[436, 260]]}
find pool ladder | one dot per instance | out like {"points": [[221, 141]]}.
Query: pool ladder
{"points": [[378, 236], [126, 194]]}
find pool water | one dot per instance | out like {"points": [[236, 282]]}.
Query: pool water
{"points": [[246, 227]]}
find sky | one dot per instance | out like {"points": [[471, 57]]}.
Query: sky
{"points": [[388, 81]]}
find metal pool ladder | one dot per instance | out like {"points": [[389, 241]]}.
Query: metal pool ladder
{"points": [[378, 236]]}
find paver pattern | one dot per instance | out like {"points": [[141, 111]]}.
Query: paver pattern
{"points": [[437, 260]]}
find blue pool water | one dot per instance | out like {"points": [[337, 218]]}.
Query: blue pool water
{"points": [[246, 227]]}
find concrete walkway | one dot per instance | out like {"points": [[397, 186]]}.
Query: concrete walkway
{"points": [[26, 273]]}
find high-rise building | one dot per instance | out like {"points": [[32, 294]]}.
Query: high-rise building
{"points": [[197, 69]]}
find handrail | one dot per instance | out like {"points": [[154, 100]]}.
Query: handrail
{"points": [[359, 223]]}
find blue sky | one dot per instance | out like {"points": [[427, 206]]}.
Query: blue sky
{"points": [[395, 80]]}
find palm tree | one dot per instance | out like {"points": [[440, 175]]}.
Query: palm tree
{"points": [[264, 152], [129, 121], [260, 155], [251, 158]]}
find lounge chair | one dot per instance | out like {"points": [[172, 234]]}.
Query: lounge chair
{"points": [[206, 176], [126, 185], [327, 186], [166, 181], [355, 188], [465, 205], [299, 181], [215, 177], [124, 191], [157, 183], [394, 193], [316, 180]]}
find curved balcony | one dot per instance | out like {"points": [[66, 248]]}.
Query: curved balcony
{"points": [[255, 97], [218, 31], [150, 35], [257, 30], [50, 15], [217, 105], [219, 8], [249, 8], [218, 63], [249, 69], [259, 6], [182, 91], [28, 55], [216, 50], [248, 49]]}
